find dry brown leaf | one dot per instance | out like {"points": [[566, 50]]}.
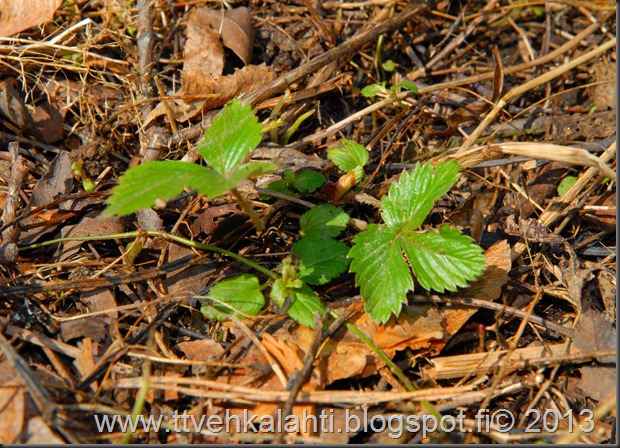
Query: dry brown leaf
{"points": [[39, 433], [236, 30], [100, 299], [203, 50], [93, 327], [13, 108], [91, 224], [12, 409], [85, 360], [201, 349], [56, 182], [607, 287], [598, 382], [487, 287], [243, 81], [48, 121], [593, 332], [222, 90], [346, 356], [603, 93], [185, 282], [19, 15], [289, 359]]}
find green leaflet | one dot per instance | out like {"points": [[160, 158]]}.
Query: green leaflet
{"points": [[233, 134], [238, 295], [405, 84], [321, 260], [142, 185], [410, 200], [323, 221], [444, 259], [380, 271], [372, 90], [304, 304], [308, 181], [348, 155]]}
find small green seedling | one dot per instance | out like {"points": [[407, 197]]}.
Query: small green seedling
{"points": [[317, 258], [384, 257], [234, 133], [306, 181], [351, 158], [372, 90], [388, 66], [78, 170]]}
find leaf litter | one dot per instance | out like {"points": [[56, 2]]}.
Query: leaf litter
{"points": [[85, 349]]}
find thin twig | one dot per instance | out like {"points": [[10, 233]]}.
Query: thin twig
{"points": [[505, 309]]}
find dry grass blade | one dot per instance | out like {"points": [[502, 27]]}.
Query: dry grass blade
{"points": [[533, 150], [484, 363]]}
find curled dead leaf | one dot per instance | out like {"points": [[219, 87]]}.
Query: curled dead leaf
{"points": [[203, 50], [17, 16], [217, 90], [235, 27]]}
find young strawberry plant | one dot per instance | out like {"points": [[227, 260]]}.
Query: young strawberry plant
{"points": [[234, 133], [385, 256], [351, 158], [317, 258], [372, 90]]}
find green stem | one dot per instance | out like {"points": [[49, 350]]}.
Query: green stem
{"points": [[155, 233], [138, 406], [388, 362], [245, 205]]}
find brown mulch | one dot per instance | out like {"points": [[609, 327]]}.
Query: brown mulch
{"points": [[523, 96]]}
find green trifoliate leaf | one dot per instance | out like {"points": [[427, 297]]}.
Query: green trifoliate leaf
{"points": [[304, 304], [308, 181], [411, 199], [233, 134], [373, 90], [320, 260], [323, 221], [141, 186], [405, 84], [248, 170], [444, 259], [380, 271], [348, 155], [239, 296]]}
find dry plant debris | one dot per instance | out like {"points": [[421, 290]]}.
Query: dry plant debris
{"points": [[522, 95]]}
